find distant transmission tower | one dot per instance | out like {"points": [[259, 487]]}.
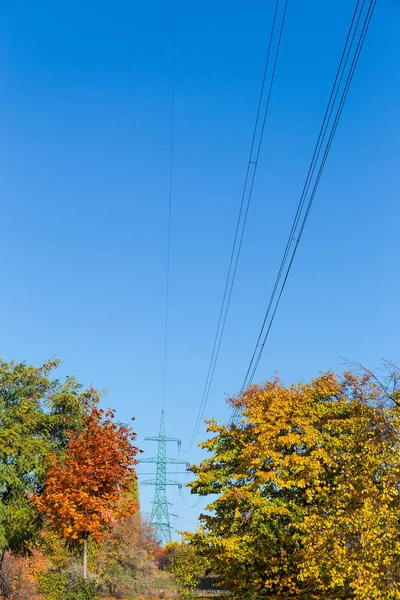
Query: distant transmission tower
{"points": [[160, 515]]}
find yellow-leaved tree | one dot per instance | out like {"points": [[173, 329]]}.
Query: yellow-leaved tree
{"points": [[308, 492]]}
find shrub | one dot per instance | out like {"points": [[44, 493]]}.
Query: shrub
{"points": [[56, 586], [83, 590], [53, 586]]}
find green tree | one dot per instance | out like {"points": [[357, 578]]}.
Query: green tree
{"points": [[36, 411], [308, 488]]}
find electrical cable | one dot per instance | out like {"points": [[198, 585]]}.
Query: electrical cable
{"points": [[191, 505], [255, 148], [178, 505], [303, 209], [175, 490], [171, 164]]}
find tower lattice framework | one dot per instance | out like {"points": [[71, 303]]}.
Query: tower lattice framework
{"points": [[160, 519]]}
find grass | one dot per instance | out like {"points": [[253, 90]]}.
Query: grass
{"points": [[164, 588]]}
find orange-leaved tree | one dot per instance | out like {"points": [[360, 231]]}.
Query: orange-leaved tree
{"points": [[87, 490]]}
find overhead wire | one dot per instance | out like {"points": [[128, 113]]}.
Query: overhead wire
{"points": [[352, 48], [177, 502], [254, 154], [185, 502], [171, 164]]}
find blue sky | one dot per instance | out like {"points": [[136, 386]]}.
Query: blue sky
{"points": [[85, 101]]}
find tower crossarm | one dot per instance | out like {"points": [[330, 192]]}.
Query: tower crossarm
{"points": [[177, 461], [155, 482], [171, 461], [162, 438]]}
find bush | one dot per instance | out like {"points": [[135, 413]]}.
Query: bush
{"points": [[53, 586], [83, 590], [186, 566], [18, 576]]}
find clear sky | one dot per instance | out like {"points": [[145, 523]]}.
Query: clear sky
{"points": [[85, 100]]}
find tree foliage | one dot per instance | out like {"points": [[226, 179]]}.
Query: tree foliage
{"points": [[35, 412], [87, 489], [308, 486], [66, 475]]}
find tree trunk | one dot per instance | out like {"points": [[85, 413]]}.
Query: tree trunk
{"points": [[85, 559], [2, 587]]}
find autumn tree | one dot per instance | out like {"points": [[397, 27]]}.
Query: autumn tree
{"points": [[308, 485], [35, 412], [88, 489]]}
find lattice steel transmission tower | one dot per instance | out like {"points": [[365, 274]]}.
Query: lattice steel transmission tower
{"points": [[160, 514]]}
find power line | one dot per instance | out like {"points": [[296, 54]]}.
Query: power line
{"points": [[255, 148], [171, 164], [351, 53], [191, 505], [178, 490]]}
